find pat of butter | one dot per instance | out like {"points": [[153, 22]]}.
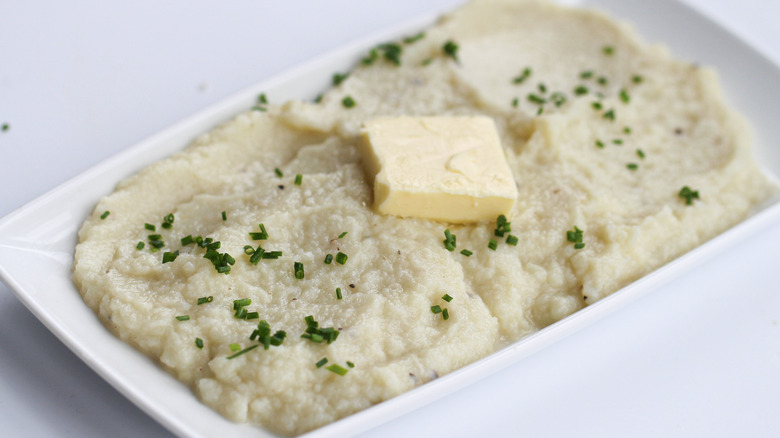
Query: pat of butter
{"points": [[449, 169]]}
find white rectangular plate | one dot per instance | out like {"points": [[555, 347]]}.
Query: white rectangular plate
{"points": [[37, 241]]}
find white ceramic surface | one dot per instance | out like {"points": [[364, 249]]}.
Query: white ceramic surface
{"points": [[712, 333]]}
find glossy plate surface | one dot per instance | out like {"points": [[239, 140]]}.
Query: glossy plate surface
{"points": [[36, 241]]}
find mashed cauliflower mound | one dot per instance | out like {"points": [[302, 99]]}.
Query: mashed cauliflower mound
{"points": [[609, 159]]}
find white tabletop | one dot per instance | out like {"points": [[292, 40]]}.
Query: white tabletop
{"points": [[83, 80]]}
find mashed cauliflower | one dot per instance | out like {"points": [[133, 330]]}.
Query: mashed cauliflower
{"points": [[601, 131]]}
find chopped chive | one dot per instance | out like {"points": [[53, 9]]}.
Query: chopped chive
{"points": [[492, 244], [337, 369], [391, 52], [350, 364], [581, 90], [318, 99], [278, 172], [245, 350], [169, 256], [608, 50], [640, 153], [515, 102], [298, 270], [523, 76], [150, 227], [251, 315], [338, 78], [632, 166], [688, 195], [199, 343], [586, 74], [624, 96], [248, 250], [414, 38], [272, 255], [328, 259], [426, 61], [105, 214], [512, 240], [187, 240], [446, 297], [600, 144], [235, 347], [575, 236], [540, 111], [542, 88], [627, 130], [262, 99], [610, 115], [617, 141], [341, 258], [466, 253], [348, 102], [262, 235], [602, 80], [450, 241], [450, 49], [596, 105], [183, 318], [341, 236], [6, 127], [237, 304], [321, 362], [558, 99], [204, 300], [637, 79], [258, 108], [372, 56], [536, 99], [502, 226], [241, 313], [338, 293], [445, 314], [436, 309], [224, 216], [316, 334], [298, 179], [139, 246], [155, 237]]}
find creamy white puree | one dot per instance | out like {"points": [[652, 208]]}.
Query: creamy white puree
{"points": [[633, 221]]}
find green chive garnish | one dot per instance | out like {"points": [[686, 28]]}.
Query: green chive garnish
{"points": [[608, 50], [575, 237], [204, 300], [610, 115], [150, 227], [321, 362], [199, 343], [298, 179], [492, 244], [262, 99], [512, 240], [466, 253], [235, 347], [278, 172], [341, 258], [515, 102], [502, 226], [245, 350], [339, 78], [350, 364], [600, 144], [337, 369], [140, 245], [536, 99], [632, 166], [183, 318], [586, 74], [105, 214], [617, 141], [596, 105], [169, 256], [328, 259], [688, 195], [581, 90], [602, 80], [187, 240], [341, 236], [338, 293], [450, 49], [6, 127], [637, 79], [523, 76], [298, 270], [348, 102], [436, 309], [224, 216], [414, 38], [624, 96], [445, 314], [449, 240], [640, 153], [446, 297]]}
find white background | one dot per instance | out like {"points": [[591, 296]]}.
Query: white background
{"points": [[81, 81]]}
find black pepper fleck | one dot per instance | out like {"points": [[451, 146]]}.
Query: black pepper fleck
{"points": [[678, 131], [352, 285], [281, 187]]}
